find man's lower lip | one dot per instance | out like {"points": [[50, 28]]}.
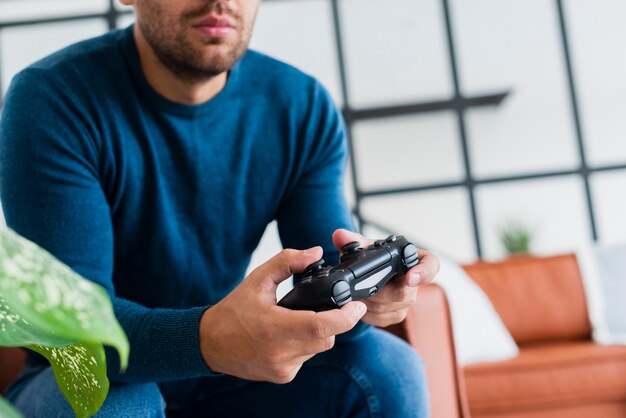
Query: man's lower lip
{"points": [[215, 31]]}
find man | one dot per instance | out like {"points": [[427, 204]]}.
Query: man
{"points": [[151, 160]]}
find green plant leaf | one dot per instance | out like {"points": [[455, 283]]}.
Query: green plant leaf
{"points": [[47, 307], [16, 331], [52, 301], [515, 236], [7, 411], [80, 371]]}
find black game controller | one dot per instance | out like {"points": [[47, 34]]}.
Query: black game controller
{"points": [[361, 273]]}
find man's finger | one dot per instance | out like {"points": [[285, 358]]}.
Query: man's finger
{"points": [[380, 308], [393, 292], [309, 347], [342, 237], [285, 263], [309, 325], [424, 272], [385, 319]]}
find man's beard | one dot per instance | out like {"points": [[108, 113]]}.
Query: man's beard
{"points": [[167, 37]]}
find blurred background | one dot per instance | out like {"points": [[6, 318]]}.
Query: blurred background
{"points": [[465, 117]]}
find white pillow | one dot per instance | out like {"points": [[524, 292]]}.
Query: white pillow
{"points": [[603, 269], [479, 334]]}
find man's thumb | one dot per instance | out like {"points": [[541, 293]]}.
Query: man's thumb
{"points": [[287, 262]]}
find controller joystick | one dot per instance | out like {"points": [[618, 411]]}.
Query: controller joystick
{"points": [[361, 273], [391, 238], [350, 250], [313, 267], [351, 247]]}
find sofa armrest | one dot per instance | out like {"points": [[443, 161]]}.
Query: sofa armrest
{"points": [[428, 329]]}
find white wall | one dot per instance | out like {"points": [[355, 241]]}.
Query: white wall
{"points": [[396, 53], [397, 57]]}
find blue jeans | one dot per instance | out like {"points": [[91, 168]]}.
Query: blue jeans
{"points": [[369, 374]]}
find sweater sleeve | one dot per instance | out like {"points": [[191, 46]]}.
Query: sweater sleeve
{"points": [[315, 205], [50, 186]]}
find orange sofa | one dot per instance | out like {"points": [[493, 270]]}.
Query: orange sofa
{"points": [[559, 372]]}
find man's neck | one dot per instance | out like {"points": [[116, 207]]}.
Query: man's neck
{"points": [[168, 84]]}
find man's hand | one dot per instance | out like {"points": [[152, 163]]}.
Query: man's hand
{"points": [[247, 335], [391, 304]]}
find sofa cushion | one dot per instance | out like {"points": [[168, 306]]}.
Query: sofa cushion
{"points": [[545, 376], [479, 333], [538, 298], [603, 267]]}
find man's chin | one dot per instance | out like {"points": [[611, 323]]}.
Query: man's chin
{"points": [[220, 55]]}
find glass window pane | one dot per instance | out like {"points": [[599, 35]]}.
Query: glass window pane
{"points": [[395, 51], [438, 220], [610, 206], [300, 33], [12, 10], [506, 141], [597, 31], [125, 20], [408, 150], [21, 46], [515, 46], [122, 7], [554, 209], [348, 185]]}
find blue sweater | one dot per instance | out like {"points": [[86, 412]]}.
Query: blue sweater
{"points": [[162, 203]]}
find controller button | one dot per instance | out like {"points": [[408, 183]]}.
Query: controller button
{"points": [[351, 247], [379, 243], [410, 255], [341, 292], [311, 268], [391, 238], [373, 290]]}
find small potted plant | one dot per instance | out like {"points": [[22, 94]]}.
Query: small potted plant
{"points": [[516, 237]]}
